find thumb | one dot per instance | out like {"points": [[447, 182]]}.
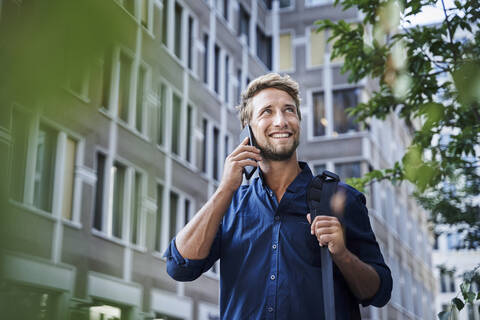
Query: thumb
{"points": [[309, 218]]}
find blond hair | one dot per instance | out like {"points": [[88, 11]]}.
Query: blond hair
{"points": [[270, 80]]}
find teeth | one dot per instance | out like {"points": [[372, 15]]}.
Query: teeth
{"points": [[280, 135]]}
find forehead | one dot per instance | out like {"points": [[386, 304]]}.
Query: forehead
{"points": [[273, 97]]}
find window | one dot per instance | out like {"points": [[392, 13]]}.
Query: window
{"points": [[285, 52], [244, 23], [99, 190], [164, 316], [320, 122], [285, 3], [106, 78], [117, 194], [136, 216], [216, 159], [227, 82], [161, 114], [165, 23], [105, 312], [140, 99], [227, 146], [264, 48], [191, 45], [225, 9], [45, 168], [239, 85], [216, 64], [205, 58], [343, 99], [317, 2], [187, 213], [144, 12], [78, 74], [204, 145], [178, 30], [124, 86], [188, 145], [318, 168], [317, 47], [447, 281], [176, 118], [29, 302], [158, 219], [68, 178], [20, 130], [173, 214], [348, 170]]}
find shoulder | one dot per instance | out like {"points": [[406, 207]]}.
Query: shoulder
{"points": [[353, 195]]}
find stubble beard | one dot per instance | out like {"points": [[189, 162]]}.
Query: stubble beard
{"points": [[270, 152]]}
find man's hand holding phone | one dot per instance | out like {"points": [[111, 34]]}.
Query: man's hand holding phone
{"points": [[244, 155]]}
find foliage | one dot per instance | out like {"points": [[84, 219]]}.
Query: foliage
{"points": [[429, 76]]}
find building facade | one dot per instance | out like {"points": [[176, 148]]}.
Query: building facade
{"points": [[99, 179]]}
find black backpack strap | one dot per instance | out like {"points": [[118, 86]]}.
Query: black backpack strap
{"points": [[319, 193]]}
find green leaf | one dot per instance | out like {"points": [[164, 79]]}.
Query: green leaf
{"points": [[458, 303]]}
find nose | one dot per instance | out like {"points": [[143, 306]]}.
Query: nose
{"points": [[279, 120]]}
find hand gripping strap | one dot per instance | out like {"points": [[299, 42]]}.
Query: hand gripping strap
{"points": [[319, 193]]}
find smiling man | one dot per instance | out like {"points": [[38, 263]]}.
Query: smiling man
{"points": [[262, 233]]}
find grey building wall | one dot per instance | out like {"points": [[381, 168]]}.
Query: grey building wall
{"points": [[158, 156]]}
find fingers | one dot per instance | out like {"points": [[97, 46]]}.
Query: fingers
{"points": [[246, 155], [243, 146], [323, 221]]}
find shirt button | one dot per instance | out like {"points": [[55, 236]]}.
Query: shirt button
{"points": [[277, 218], [274, 247], [270, 309], [272, 277]]}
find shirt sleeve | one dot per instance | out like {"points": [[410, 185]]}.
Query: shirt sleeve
{"points": [[183, 269], [361, 241]]}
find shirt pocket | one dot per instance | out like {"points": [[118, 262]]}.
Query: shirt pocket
{"points": [[297, 233]]}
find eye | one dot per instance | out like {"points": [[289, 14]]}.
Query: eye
{"points": [[266, 111], [290, 109]]}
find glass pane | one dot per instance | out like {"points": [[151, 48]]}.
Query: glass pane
{"points": [[216, 84], [158, 222], [144, 10], [189, 133], [319, 116], [317, 47], [45, 168], [98, 216], [178, 31], [165, 22], [244, 23], [20, 128], [190, 46], [343, 99], [161, 115], [205, 58], [176, 118], [163, 316], [136, 206], [18, 302], [124, 86], [216, 142], [204, 145], [348, 170], [106, 77], [318, 168], [118, 191], [284, 3], [173, 214], [68, 178], [140, 99], [186, 212], [286, 61], [105, 312], [227, 80]]}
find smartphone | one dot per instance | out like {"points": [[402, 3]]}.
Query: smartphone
{"points": [[247, 132]]}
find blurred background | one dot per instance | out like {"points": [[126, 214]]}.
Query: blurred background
{"points": [[116, 117]]}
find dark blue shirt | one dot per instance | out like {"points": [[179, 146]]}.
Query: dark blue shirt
{"points": [[270, 264]]}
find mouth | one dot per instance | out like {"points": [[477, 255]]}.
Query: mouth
{"points": [[280, 135]]}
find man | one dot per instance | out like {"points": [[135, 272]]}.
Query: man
{"points": [[268, 250]]}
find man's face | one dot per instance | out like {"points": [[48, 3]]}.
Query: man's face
{"points": [[275, 124]]}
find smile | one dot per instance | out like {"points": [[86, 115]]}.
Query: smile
{"points": [[280, 135]]}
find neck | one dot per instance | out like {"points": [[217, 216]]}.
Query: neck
{"points": [[279, 175]]}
